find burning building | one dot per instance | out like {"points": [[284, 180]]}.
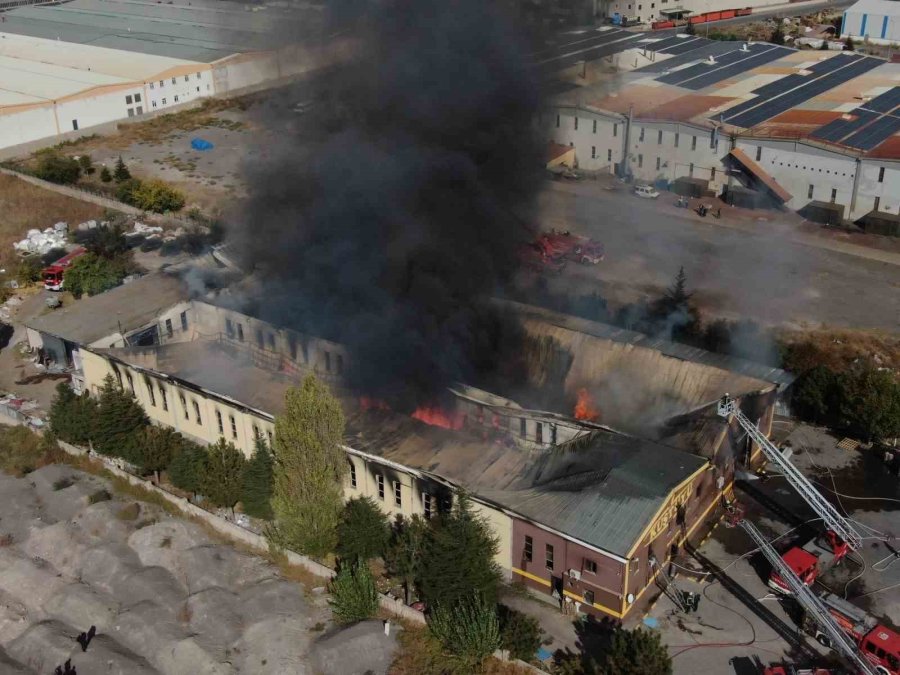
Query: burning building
{"points": [[622, 462]]}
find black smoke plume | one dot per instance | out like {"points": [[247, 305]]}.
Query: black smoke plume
{"points": [[393, 208]]}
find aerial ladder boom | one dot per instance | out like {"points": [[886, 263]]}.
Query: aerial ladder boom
{"points": [[808, 600], [837, 523]]}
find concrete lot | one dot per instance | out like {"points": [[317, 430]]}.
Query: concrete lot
{"points": [[773, 271], [738, 617]]}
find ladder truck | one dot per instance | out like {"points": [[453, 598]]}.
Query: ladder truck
{"points": [[814, 607], [840, 532]]}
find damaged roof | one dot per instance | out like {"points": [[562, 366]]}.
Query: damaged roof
{"points": [[603, 489], [122, 309]]}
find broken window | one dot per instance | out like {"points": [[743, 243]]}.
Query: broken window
{"points": [[240, 333], [130, 382], [352, 475], [379, 479], [163, 398], [523, 427], [184, 321], [539, 432], [590, 566], [271, 339], [150, 391], [169, 331], [197, 413], [229, 328], [427, 505], [184, 406], [398, 493]]}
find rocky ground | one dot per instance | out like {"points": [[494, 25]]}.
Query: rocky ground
{"points": [[163, 595]]}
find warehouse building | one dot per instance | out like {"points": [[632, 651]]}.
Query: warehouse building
{"points": [[875, 21], [68, 67], [767, 124], [581, 509]]}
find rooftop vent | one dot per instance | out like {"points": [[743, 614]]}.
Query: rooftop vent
{"points": [[710, 60], [745, 47]]}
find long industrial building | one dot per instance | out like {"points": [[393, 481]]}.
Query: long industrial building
{"points": [[67, 67], [582, 508], [767, 124]]}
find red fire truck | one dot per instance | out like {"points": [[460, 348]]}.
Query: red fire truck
{"points": [[811, 560], [572, 247], [791, 670], [878, 644], [53, 274]]}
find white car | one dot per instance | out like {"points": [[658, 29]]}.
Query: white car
{"points": [[646, 191]]}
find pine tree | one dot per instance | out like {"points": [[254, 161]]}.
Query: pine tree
{"points": [[353, 594], [459, 558], [256, 493], [189, 467], [121, 172], [869, 403], [72, 418], [468, 628], [404, 551], [309, 469], [223, 479], [635, 652], [120, 419], [105, 175], [159, 445], [362, 533]]}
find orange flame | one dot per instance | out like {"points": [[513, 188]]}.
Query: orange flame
{"points": [[586, 408], [367, 403], [436, 417]]}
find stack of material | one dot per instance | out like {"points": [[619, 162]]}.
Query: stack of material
{"points": [[42, 242]]}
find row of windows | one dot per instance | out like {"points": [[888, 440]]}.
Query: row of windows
{"points": [[266, 340], [170, 331], [428, 500], [828, 171], [162, 83], [588, 565], [615, 126], [132, 99]]}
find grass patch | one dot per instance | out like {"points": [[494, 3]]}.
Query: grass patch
{"points": [[23, 451], [129, 512], [101, 495]]}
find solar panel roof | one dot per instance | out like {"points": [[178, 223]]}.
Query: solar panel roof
{"points": [[874, 134]]}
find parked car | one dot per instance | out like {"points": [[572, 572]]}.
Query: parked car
{"points": [[646, 191]]}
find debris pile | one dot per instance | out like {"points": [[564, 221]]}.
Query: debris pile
{"points": [[43, 242]]}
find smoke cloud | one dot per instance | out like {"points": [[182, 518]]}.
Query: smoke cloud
{"points": [[393, 208]]}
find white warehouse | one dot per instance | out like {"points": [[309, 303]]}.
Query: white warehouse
{"points": [[877, 21], [66, 68]]}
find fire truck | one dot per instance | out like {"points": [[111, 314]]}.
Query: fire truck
{"points": [[791, 670], [840, 536], [572, 247], [53, 274], [811, 560]]}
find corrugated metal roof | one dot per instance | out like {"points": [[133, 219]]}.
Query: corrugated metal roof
{"points": [[888, 7]]}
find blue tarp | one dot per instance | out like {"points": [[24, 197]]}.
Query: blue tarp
{"points": [[201, 144], [543, 654]]}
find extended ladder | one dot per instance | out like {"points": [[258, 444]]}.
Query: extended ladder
{"points": [[808, 600], [837, 523]]}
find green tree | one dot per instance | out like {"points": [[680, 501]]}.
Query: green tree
{"points": [[468, 628], [256, 490], [28, 269], [105, 175], [676, 297], [635, 652], [87, 166], [188, 468], [72, 418], [90, 275], [362, 533], [120, 420], [870, 403], [107, 242], [159, 445], [459, 558], [353, 593], [150, 195], [309, 469], [58, 169], [520, 633], [121, 172], [224, 475], [815, 396], [405, 550]]}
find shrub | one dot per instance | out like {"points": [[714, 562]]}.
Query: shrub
{"points": [[58, 169], [468, 628], [84, 161], [28, 269], [23, 451], [635, 652], [519, 633], [150, 195], [362, 531], [105, 175], [353, 594], [91, 274]]}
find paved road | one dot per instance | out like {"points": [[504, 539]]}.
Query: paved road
{"points": [[774, 276]]}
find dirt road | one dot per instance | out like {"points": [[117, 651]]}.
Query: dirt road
{"points": [[778, 275]]}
